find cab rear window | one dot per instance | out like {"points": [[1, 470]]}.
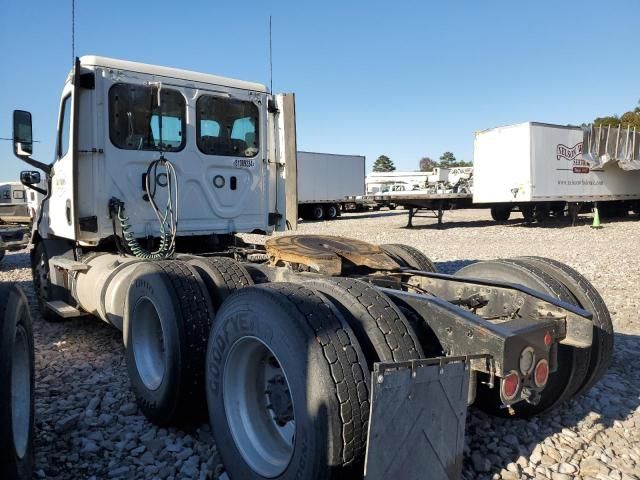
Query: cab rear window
{"points": [[138, 121], [227, 127]]}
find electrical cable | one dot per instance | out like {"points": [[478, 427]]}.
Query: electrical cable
{"points": [[168, 220]]}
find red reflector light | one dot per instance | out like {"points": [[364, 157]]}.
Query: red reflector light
{"points": [[510, 386], [547, 339], [541, 374]]}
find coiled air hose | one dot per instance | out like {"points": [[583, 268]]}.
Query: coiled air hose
{"points": [[168, 220]]}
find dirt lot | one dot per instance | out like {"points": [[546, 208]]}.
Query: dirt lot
{"points": [[88, 425]]}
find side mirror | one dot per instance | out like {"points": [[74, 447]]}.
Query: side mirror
{"points": [[22, 134], [29, 177]]}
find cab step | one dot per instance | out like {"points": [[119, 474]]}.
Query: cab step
{"points": [[63, 309]]}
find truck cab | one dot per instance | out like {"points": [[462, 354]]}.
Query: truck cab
{"points": [[223, 138]]}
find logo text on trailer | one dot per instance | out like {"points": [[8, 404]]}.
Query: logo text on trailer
{"points": [[568, 153]]}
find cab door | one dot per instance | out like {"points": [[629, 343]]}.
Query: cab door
{"points": [[63, 198]]}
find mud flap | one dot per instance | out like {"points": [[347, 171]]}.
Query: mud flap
{"points": [[417, 422]]}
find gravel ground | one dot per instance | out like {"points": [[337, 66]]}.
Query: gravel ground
{"points": [[88, 425]]}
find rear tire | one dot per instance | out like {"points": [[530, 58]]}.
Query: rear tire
{"points": [[542, 212], [17, 385], [572, 362], [221, 275], [168, 316], [588, 298], [381, 328], [317, 212], [409, 257], [331, 212], [527, 213], [317, 425], [501, 213]]}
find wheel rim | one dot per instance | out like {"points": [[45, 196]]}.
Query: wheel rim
{"points": [[317, 213], [259, 407], [333, 212], [20, 392], [148, 343]]}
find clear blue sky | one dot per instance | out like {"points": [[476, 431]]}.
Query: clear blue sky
{"points": [[406, 79]]}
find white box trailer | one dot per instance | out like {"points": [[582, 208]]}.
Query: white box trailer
{"points": [[540, 166], [13, 203], [325, 180], [534, 162]]}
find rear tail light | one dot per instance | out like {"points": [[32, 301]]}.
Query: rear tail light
{"points": [[510, 386], [547, 339], [541, 374]]}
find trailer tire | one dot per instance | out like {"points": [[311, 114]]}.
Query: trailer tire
{"points": [[2, 253], [167, 320], [587, 297], [17, 380], [410, 257], [331, 212], [382, 330], [324, 385], [221, 275], [317, 212], [501, 213], [572, 362], [527, 213], [542, 212]]}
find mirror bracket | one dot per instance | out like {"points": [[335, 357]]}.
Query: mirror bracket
{"points": [[33, 187], [35, 163]]}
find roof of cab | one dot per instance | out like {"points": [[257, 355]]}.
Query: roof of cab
{"points": [[92, 60]]}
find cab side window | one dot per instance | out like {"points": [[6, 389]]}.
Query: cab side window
{"points": [[64, 130]]}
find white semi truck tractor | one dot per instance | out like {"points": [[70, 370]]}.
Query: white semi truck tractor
{"points": [[314, 357]]}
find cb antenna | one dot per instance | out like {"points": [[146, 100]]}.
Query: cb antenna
{"points": [[73, 32], [270, 59]]}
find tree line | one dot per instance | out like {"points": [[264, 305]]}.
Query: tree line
{"points": [[630, 118], [447, 160]]}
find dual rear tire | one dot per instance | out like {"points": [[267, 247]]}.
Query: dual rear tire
{"points": [[169, 312], [335, 330], [578, 368], [319, 211], [287, 399]]}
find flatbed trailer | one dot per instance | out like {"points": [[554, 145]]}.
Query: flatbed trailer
{"points": [[435, 204]]}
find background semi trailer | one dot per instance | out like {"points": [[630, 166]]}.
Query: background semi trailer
{"points": [[13, 203], [325, 180], [539, 169], [296, 349], [15, 218]]}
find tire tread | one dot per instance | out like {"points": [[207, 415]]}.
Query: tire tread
{"points": [[348, 371]]}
